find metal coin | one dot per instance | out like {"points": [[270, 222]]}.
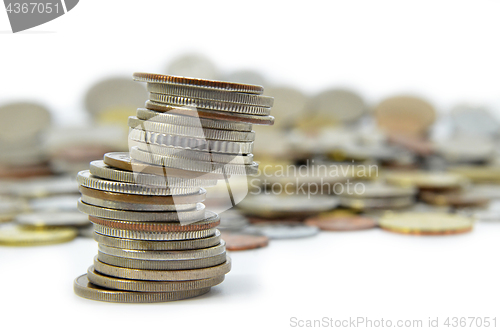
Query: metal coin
{"points": [[87, 290], [282, 230], [23, 121], [126, 206], [243, 242], [53, 219], [17, 236], [192, 65], [426, 223], [145, 235], [342, 223]]}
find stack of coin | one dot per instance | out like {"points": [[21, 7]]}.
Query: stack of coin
{"points": [[156, 240]]}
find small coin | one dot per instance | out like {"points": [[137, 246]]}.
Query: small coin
{"points": [[150, 286], [426, 223], [53, 219], [84, 178], [87, 290], [196, 82], [211, 114], [101, 170], [150, 235], [242, 242], [127, 206], [152, 216], [17, 236], [123, 161], [211, 221], [145, 199], [342, 223], [151, 245], [190, 264], [162, 275], [174, 119], [282, 230]]}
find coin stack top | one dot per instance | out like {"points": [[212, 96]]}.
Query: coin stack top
{"points": [[157, 242]]}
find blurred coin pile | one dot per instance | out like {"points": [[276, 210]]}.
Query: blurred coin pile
{"points": [[156, 240]]}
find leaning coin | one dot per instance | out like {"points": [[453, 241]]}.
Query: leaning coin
{"points": [[282, 230], [426, 223], [53, 219], [101, 170], [150, 286], [152, 216], [87, 290], [342, 223], [17, 236], [152, 245], [169, 275], [243, 242]]}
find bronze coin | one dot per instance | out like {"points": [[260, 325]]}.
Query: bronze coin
{"points": [[124, 162], [25, 171], [156, 227], [145, 199], [429, 233], [342, 223], [211, 114], [243, 242]]}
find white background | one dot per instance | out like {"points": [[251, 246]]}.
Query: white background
{"points": [[447, 51]]}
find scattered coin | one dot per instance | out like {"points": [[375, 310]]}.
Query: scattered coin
{"points": [[243, 242], [342, 223], [11, 235], [426, 223], [282, 230], [53, 219]]}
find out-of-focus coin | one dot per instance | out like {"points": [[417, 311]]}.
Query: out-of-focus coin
{"points": [[46, 187], [246, 77], [124, 162], [454, 199], [193, 65], [289, 105], [38, 170], [115, 93], [478, 174], [162, 275], [243, 242], [405, 114], [376, 203], [54, 203], [269, 205], [474, 120], [335, 106], [10, 207], [426, 223], [342, 223], [282, 230], [426, 180], [466, 149], [197, 82], [53, 219], [17, 236], [379, 190], [232, 220], [23, 121], [177, 245], [150, 286], [87, 290]]}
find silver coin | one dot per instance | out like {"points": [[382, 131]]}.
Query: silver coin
{"points": [[55, 203], [232, 220], [46, 187], [23, 121], [155, 236], [193, 65], [289, 105], [126, 206], [50, 219], [474, 120], [282, 230]]}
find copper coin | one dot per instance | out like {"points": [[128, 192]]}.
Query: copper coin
{"points": [[25, 171], [211, 114], [208, 223], [145, 199], [243, 242], [342, 223], [123, 161]]}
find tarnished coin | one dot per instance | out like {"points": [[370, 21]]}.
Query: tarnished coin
{"points": [[405, 114], [101, 170], [53, 219], [159, 245], [211, 114], [87, 290], [150, 286], [342, 223], [124, 162], [11, 235], [162, 275], [426, 223], [23, 121], [269, 205], [196, 82], [282, 230], [145, 199], [243, 242]]}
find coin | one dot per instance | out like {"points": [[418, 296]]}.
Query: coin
{"points": [[145, 199], [126, 206], [10, 207], [247, 77], [53, 219], [23, 121], [17, 236], [54, 203], [162, 275], [152, 235], [242, 242], [426, 223], [426, 179], [196, 82], [379, 190], [176, 245], [124, 162], [211, 221], [342, 223], [289, 105], [474, 120], [150, 286], [193, 65], [477, 173], [282, 230], [457, 200], [232, 220], [376, 203], [87, 290]]}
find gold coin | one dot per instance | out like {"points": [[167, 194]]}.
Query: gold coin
{"points": [[478, 174], [18, 236], [426, 223], [426, 180]]}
